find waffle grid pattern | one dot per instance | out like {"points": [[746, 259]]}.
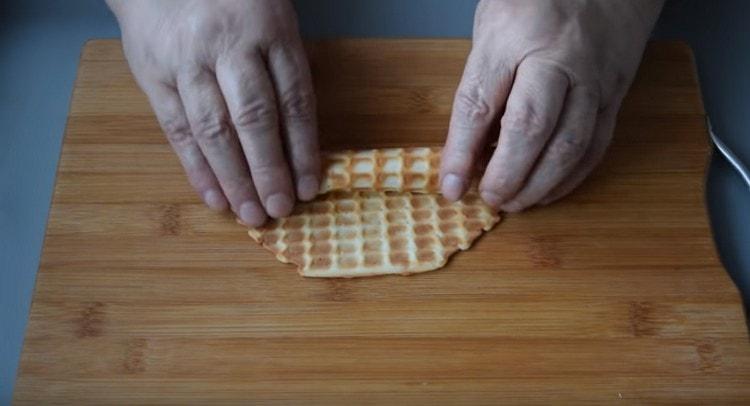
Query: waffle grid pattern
{"points": [[391, 169], [364, 233]]}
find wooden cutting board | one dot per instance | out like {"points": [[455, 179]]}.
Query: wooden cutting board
{"points": [[145, 296]]}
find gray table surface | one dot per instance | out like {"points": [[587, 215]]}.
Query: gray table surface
{"points": [[40, 43]]}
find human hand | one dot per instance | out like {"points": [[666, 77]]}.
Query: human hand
{"points": [[230, 85], [554, 73]]}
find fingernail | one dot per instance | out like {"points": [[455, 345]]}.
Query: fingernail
{"points": [[279, 205], [307, 187], [252, 214], [491, 198], [453, 187], [215, 200]]}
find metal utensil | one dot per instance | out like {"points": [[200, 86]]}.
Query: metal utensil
{"points": [[729, 155]]}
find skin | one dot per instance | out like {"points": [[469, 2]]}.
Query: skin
{"points": [[553, 74], [230, 85]]}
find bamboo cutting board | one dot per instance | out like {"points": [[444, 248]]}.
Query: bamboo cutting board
{"points": [[615, 294]]}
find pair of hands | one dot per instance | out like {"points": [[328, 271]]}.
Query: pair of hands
{"points": [[230, 85]]}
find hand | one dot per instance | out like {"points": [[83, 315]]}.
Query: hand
{"points": [[554, 73], [230, 85]]}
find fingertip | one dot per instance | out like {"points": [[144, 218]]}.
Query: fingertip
{"points": [[492, 199], [453, 187], [215, 200], [307, 187], [512, 207], [252, 214], [553, 198], [279, 205], [546, 202]]}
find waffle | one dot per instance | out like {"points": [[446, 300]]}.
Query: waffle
{"points": [[364, 233], [378, 213], [391, 169]]}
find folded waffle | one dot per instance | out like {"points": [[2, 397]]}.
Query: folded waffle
{"points": [[379, 212], [391, 169]]}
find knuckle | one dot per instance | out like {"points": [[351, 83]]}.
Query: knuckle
{"points": [[274, 171], [591, 93], [177, 131], [211, 127], [298, 105], [569, 147], [526, 122], [471, 108], [621, 81], [255, 113]]}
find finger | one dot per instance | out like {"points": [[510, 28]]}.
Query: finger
{"points": [[563, 152], [251, 102], [296, 100], [211, 128], [603, 133], [531, 114], [171, 115], [478, 102]]}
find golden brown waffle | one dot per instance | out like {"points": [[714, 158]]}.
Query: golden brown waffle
{"points": [[390, 169], [357, 233], [379, 213]]}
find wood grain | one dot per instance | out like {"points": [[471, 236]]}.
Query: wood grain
{"points": [[615, 294]]}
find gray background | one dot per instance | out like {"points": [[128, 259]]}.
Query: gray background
{"points": [[40, 43]]}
